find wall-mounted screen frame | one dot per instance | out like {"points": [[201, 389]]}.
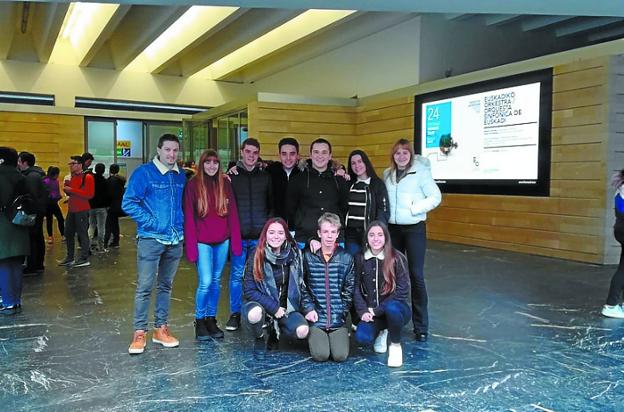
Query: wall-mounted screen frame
{"points": [[491, 137]]}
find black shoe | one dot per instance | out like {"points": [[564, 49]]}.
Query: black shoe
{"points": [[421, 336], [272, 341], [212, 328], [32, 272], [113, 246], [200, 330], [234, 322]]}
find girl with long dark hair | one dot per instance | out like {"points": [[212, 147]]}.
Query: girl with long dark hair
{"points": [[382, 285], [412, 193], [272, 284], [211, 227], [613, 307], [368, 200]]}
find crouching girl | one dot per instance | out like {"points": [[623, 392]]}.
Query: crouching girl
{"points": [[272, 285], [381, 294]]}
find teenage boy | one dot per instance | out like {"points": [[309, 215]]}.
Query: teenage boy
{"points": [[115, 185], [282, 173], [315, 191], [80, 187], [254, 199], [34, 180], [153, 200], [328, 293]]}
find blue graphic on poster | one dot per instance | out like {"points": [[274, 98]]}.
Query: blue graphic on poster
{"points": [[437, 123]]}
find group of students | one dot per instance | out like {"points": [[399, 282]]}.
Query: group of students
{"points": [[309, 243]]}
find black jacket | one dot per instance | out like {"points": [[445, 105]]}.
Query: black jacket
{"points": [[100, 197], [328, 287], [312, 193], [280, 181], [370, 282], [254, 199], [116, 187], [34, 184]]}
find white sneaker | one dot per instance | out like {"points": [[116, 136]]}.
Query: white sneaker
{"points": [[381, 343], [395, 355], [613, 311]]}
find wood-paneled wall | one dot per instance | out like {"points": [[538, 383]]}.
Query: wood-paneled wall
{"points": [[571, 223], [51, 138]]}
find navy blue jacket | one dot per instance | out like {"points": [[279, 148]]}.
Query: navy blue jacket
{"points": [[370, 282], [328, 287]]}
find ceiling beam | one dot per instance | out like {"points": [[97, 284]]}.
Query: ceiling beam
{"points": [[246, 28], [541, 22], [8, 25], [585, 25], [536, 7], [359, 27], [500, 19], [46, 25], [610, 34], [140, 26], [105, 34]]}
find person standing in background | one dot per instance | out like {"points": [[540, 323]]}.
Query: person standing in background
{"points": [[34, 179], [412, 193], [53, 209], [97, 215], [79, 188], [115, 185]]}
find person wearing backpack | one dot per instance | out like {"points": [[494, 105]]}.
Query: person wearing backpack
{"points": [[13, 238], [34, 180]]}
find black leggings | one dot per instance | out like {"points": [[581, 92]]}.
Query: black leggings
{"points": [[617, 281], [54, 209]]}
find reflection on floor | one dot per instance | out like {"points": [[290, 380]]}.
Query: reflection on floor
{"points": [[509, 332]]}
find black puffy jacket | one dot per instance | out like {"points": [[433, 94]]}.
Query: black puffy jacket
{"points": [[312, 193], [34, 183], [328, 287], [254, 199]]}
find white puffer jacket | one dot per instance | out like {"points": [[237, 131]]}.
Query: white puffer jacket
{"points": [[414, 195]]}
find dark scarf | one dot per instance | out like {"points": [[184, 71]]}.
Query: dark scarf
{"points": [[290, 259]]}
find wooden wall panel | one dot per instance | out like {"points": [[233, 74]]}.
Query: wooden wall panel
{"points": [[569, 224], [51, 138]]}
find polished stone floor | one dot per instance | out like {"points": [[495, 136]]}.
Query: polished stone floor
{"points": [[509, 332]]}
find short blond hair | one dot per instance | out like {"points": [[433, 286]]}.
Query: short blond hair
{"points": [[330, 218]]}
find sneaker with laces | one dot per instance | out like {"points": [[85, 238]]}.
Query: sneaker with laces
{"points": [[381, 343], [613, 311], [395, 355], [66, 262], [138, 343], [161, 335], [82, 263], [234, 322]]}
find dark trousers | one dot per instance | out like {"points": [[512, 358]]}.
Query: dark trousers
{"points": [[34, 261], [112, 228], [396, 315], [77, 223], [53, 209], [616, 288], [412, 240], [288, 324]]}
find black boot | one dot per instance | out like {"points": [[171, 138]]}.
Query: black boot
{"points": [[201, 333], [211, 327], [272, 341]]}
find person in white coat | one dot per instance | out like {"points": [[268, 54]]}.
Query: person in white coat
{"points": [[412, 193]]}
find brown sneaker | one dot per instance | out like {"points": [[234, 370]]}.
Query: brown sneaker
{"points": [[161, 335], [138, 343]]}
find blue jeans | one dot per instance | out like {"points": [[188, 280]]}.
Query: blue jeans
{"points": [[237, 270], [11, 280], [154, 258], [210, 263], [396, 316]]}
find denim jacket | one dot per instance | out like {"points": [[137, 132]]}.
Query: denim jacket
{"points": [[153, 200]]}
